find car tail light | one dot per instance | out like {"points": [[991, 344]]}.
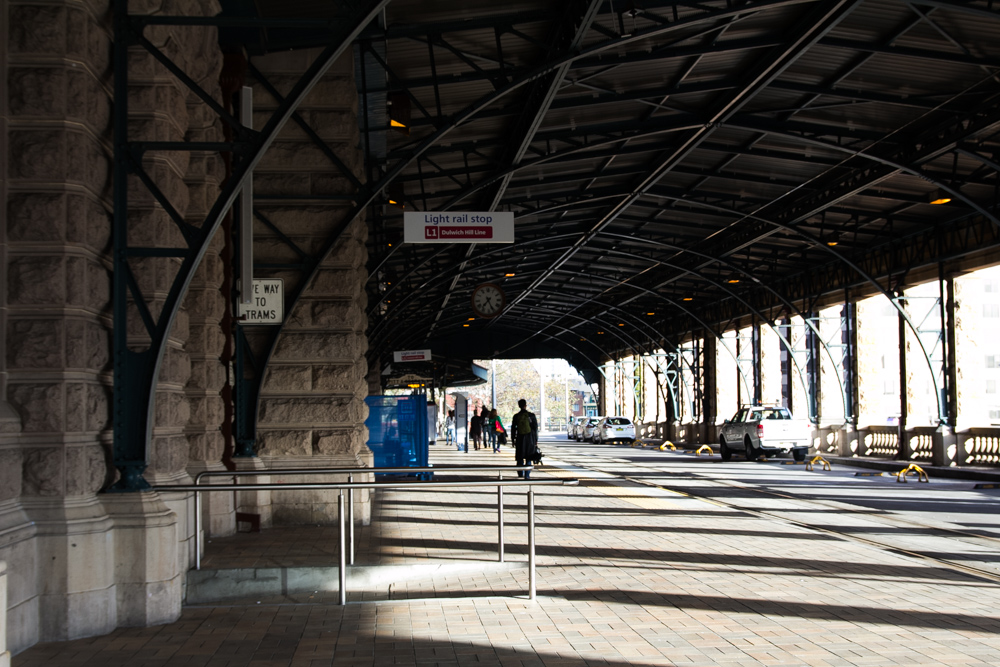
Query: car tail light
{"points": [[760, 431]]}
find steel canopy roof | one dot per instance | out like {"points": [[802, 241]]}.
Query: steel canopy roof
{"points": [[655, 153]]}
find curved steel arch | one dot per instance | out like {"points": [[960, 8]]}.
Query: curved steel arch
{"points": [[250, 389], [788, 304], [137, 372], [802, 381], [781, 298]]}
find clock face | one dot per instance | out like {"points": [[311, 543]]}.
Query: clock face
{"points": [[488, 300]]}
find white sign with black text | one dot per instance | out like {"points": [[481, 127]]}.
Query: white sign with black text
{"points": [[267, 305], [458, 227]]}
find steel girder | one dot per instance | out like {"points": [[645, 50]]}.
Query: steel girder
{"points": [[137, 368]]}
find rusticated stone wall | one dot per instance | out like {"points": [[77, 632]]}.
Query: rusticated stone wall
{"points": [[312, 406], [79, 563], [188, 409]]}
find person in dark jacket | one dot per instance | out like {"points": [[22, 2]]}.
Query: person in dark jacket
{"points": [[476, 427], [524, 435]]}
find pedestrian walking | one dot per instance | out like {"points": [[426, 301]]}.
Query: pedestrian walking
{"points": [[476, 427], [489, 428], [449, 424], [524, 433], [497, 429]]}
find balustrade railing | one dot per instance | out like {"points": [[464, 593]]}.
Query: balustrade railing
{"points": [[415, 485]]}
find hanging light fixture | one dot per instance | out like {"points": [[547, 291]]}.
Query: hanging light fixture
{"points": [[938, 197]]}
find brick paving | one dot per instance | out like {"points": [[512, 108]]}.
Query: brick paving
{"points": [[626, 576]]}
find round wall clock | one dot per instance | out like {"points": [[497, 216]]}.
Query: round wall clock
{"points": [[488, 300]]}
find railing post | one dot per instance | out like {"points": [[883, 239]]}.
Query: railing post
{"points": [[531, 543], [500, 519], [343, 550], [350, 518], [197, 530]]}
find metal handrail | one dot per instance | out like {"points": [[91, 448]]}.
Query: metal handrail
{"points": [[418, 485], [350, 478]]}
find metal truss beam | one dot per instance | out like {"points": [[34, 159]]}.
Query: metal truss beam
{"points": [[136, 369], [806, 33]]}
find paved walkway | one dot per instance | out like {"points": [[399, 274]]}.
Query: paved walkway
{"points": [[627, 575]]}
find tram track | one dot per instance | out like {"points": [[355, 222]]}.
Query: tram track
{"points": [[966, 536]]}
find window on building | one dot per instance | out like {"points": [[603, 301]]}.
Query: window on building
{"points": [[992, 286], [991, 386], [991, 361], [991, 310]]}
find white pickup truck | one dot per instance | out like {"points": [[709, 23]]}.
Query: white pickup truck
{"points": [[762, 430]]}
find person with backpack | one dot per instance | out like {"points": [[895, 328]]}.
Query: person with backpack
{"points": [[498, 431], [524, 435]]}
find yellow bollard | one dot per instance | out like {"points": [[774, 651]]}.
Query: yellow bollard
{"points": [[667, 445], [914, 468], [818, 459], [703, 448]]}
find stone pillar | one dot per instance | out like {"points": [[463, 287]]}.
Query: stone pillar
{"points": [[205, 303], [312, 407], [56, 335], [187, 410], [147, 575], [849, 441], [254, 502], [4, 653], [944, 447]]}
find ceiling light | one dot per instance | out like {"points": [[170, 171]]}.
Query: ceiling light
{"points": [[651, 313], [689, 298], [621, 324], [733, 280], [600, 332], [508, 275], [471, 319], [937, 197], [465, 325], [399, 112]]}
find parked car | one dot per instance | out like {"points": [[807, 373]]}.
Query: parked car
{"points": [[761, 430], [589, 426], [576, 428], [611, 429]]}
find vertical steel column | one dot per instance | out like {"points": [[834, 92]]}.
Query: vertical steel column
{"points": [[246, 208], [849, 334], [784, 329], [901, 448], [951, 359], [342, 566], [531, 543], [813, 385], [758, 372]]}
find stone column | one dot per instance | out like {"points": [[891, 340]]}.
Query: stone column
{"points": [[58, 541], [187, 408], [205, 303], [148, 576], [4, 653], [312, 408]]}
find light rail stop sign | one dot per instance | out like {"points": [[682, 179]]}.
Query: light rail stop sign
{"points": [[400, 356], [458, 227], [267, 305]]}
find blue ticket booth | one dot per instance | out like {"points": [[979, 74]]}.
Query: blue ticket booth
{"points": [[397, 431]]}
